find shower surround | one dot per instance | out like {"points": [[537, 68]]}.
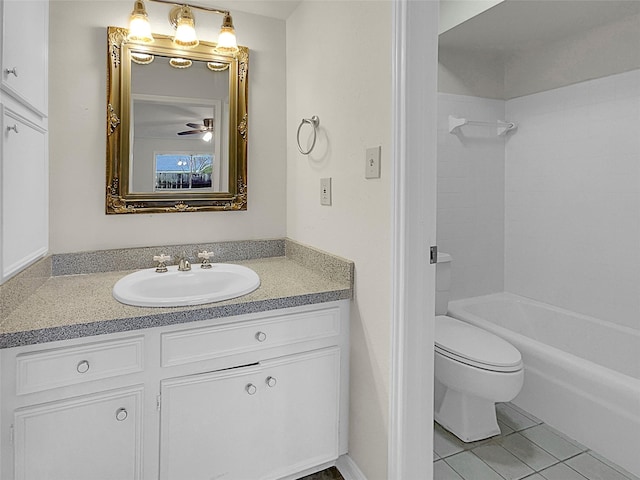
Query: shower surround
{"points": [[551, 211]]}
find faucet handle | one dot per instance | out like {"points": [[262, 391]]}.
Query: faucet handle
{"points": [[161, 259], [204, 255]]}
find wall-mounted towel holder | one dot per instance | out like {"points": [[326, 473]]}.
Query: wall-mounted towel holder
{"points": [[314, 122], [502, 127]]}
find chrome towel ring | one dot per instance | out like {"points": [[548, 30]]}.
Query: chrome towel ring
{"points": [[314, 122]]}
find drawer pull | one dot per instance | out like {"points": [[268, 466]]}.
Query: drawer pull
{"points": [[271, 381], [251, 389], [261, 336], [121, 414], [83, 366], [11, 71], [14, 128]]}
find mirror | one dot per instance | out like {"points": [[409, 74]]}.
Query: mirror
{"points": [[176, 127]]}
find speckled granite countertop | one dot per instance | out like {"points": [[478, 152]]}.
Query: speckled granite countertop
{"points": [[72, 306]]}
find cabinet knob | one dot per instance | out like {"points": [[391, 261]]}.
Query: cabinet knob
{"points": [[261, 336], [14, 128], [10, 71], [121, 414], [251, 389], [271, 381], [83, 366]]}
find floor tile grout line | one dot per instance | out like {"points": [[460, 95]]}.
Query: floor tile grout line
{"points": [[498, 441], [613, 466]]}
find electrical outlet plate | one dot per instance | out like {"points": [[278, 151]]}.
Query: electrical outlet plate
{"points": [[372, 167], [325, 191]]}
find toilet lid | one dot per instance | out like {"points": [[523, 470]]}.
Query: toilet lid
{"points": [[471, 345]]}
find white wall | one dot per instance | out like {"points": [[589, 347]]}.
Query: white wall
{"points": [[339, 68], [571, 183], [573, 198], [78, 134], [470, 221]]}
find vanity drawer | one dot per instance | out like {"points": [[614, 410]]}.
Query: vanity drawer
{"points": [[60, 367], [198, 344]]}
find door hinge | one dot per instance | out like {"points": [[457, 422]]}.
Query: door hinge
{"points": [[433, 254], [158, 402]]}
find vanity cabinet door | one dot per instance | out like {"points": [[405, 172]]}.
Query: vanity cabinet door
{"points": [[24, 51], [24, 196], [95, 437], [262, 421], [300, 402]]}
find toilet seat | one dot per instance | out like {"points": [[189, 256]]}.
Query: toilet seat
{"points": [[473, 346]]}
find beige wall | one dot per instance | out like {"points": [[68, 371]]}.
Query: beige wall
{"points": [[455, 12], [544, 65], [475, 73], [595, 53], [339, 68], [77, 134]]}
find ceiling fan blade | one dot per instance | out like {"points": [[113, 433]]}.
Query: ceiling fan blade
{"points": [[195, 125], [190, 132]]}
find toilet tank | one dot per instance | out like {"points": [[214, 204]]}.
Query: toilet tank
{"points": [[443, 282]]}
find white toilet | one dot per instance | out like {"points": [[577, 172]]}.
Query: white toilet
{"points": [[474, 369]]}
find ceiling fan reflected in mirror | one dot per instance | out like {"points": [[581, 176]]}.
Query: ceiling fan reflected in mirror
{"points": [[206, 127]]}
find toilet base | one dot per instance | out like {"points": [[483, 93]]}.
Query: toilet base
{"points": [[468, 417]]}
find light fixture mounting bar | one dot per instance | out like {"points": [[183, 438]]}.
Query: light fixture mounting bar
{"points": [[197, 7]]}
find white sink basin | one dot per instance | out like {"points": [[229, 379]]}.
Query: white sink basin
{"points": [[147, 288]]}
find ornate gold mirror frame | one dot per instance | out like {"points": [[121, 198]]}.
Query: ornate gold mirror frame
{"points": [[120, 197]]}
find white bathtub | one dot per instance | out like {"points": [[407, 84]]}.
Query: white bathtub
{"points": [[582, 375]]}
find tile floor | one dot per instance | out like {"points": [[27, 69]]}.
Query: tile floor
{"points": [[328, 474], [526, 449]]}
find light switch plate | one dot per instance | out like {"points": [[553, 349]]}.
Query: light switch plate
{"points": [[325, 191], [372, 167]]}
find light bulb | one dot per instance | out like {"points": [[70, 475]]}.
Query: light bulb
{"points": [[207, 137]]}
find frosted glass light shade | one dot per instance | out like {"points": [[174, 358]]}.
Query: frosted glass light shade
{"points": [[227, 37], [185, 29], [139, 27]]}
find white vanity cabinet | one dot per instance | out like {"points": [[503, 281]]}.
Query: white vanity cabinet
{"points": [[261, 421], [24, 174], [95, 437], [261, 396]]}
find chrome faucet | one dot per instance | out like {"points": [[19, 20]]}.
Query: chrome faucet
{"points": [[184, 265]]}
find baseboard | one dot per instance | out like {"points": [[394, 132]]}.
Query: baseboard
{"points": [[348, 468]]}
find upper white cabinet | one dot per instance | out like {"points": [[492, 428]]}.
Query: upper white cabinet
{"points": [[25, 31], [24, 173], [25, 201]]}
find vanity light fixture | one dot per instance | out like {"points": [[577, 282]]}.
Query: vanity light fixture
{"points": [[217, 66], [139, 26], [142, 58], [180, 62], [181, 17]]}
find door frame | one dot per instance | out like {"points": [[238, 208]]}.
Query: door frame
{"points": [[414, 137]]}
